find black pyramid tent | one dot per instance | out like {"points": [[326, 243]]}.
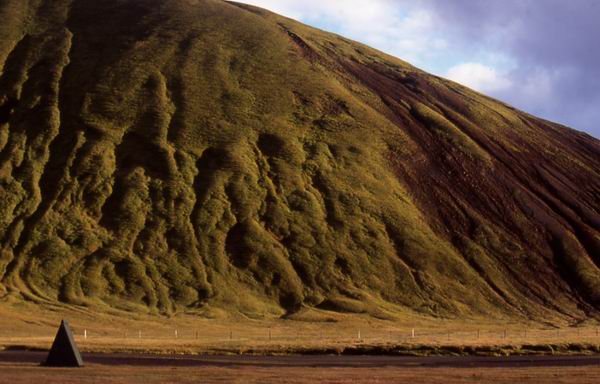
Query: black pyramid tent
{"points": [[64, 351]]}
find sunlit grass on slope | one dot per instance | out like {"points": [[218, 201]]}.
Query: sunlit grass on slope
{"points": [[200, 155]]}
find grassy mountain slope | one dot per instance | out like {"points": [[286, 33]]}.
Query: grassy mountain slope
{"points": [[197, 154]]}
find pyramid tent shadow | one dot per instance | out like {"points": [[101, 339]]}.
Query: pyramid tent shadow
{"points": [[64, 351]]}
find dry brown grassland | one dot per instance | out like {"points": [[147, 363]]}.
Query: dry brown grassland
{"points": [[29, 326], [134, 375]]}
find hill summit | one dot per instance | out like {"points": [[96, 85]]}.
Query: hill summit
{"points": [[168, 155]]}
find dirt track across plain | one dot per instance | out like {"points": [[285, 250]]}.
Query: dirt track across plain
{"points": [[322, 361], [23, 367]]}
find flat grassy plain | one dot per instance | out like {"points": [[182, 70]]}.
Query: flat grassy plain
{"points": [[28, 326]]}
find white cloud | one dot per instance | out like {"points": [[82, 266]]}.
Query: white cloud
{"points": [[536, 92], [480, 77], [539, 85], [401, 28]]}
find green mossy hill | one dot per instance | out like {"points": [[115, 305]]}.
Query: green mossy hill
{"points": [[201, 155]]}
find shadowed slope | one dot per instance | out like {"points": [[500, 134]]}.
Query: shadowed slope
{"points": [[160, 155]]}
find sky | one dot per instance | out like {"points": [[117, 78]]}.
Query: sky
{"points": [[542, 56]]}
